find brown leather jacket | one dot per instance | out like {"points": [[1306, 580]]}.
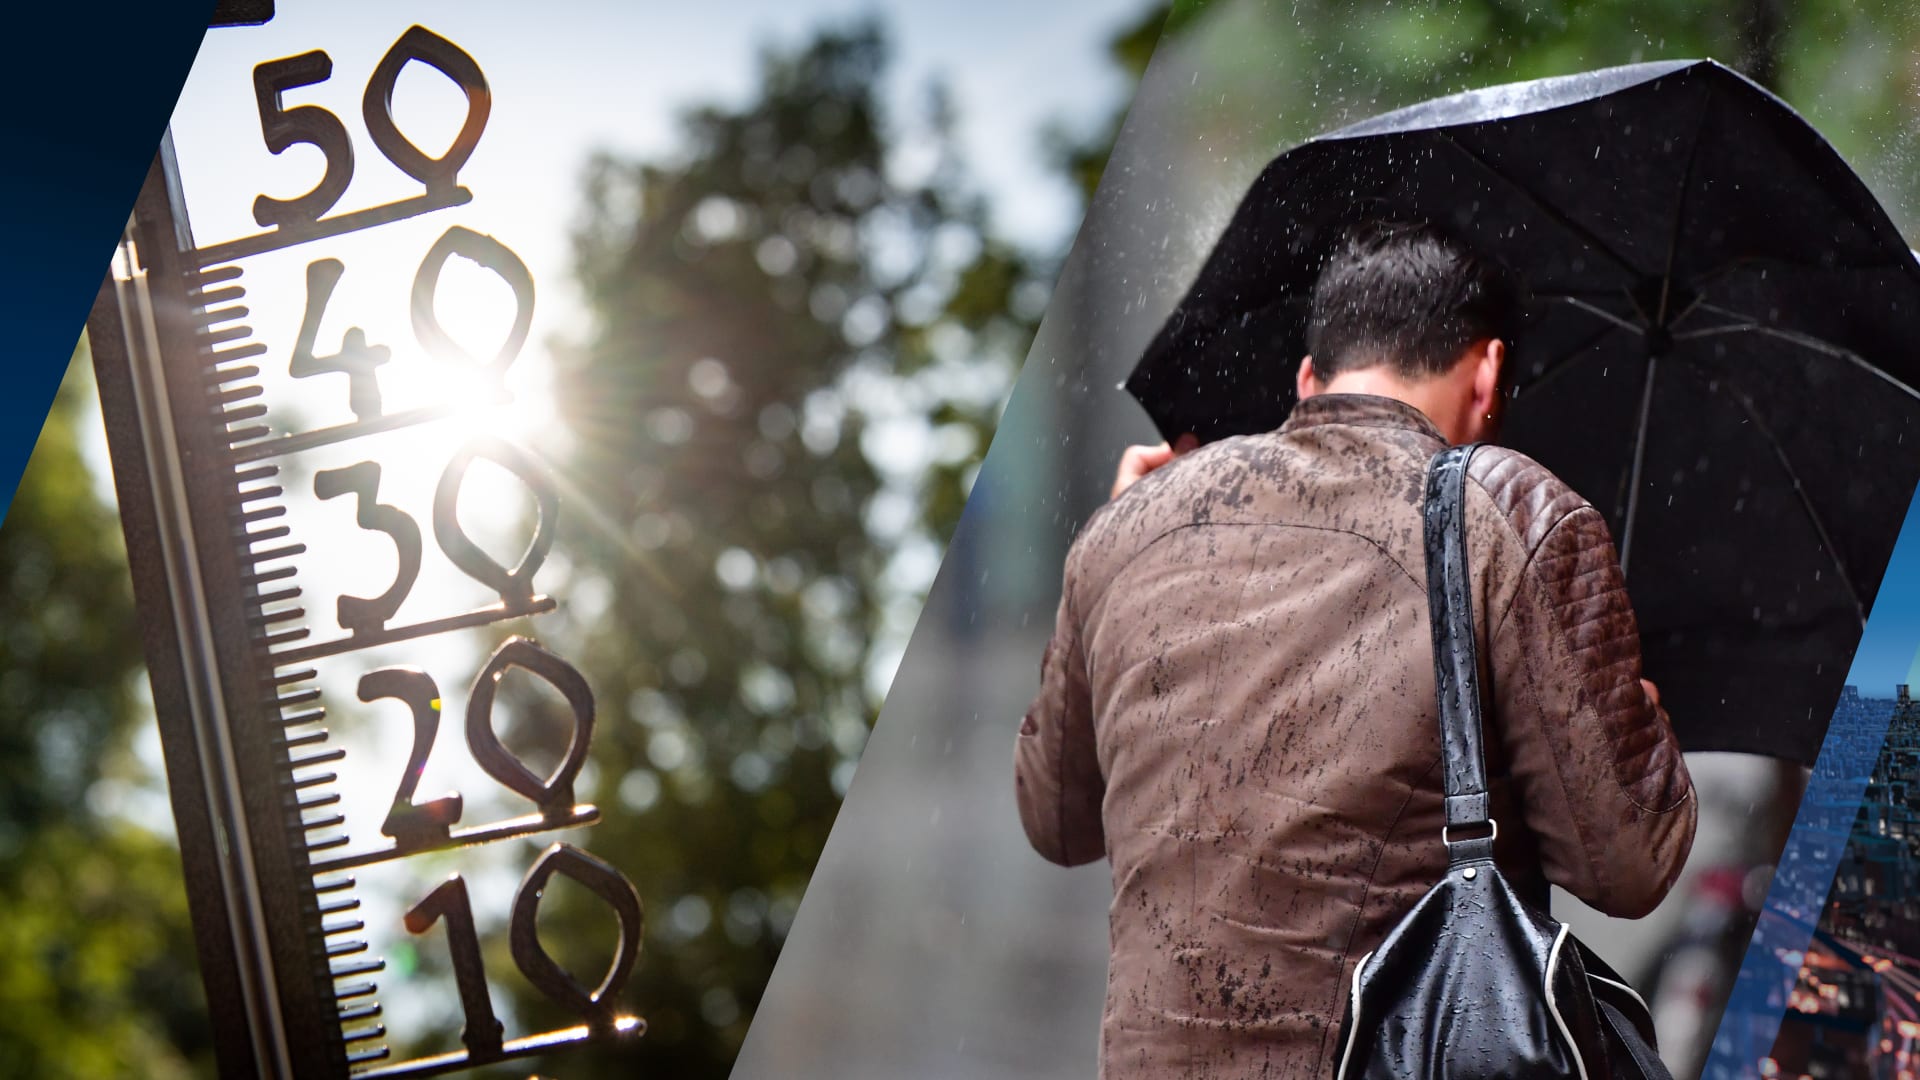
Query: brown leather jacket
{"points": [[1237, 708]]}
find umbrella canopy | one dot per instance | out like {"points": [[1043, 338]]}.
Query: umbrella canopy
{"points": [[1720, 353]]}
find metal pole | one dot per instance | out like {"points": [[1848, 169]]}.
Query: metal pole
{"points": [[256, 911], [1639, 460]]}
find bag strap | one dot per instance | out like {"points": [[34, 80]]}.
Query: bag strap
{"points": [[1456, 662], [1627, 1039]]}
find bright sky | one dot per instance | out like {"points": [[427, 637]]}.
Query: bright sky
{"points": [[1885, 657], [616, 73]]}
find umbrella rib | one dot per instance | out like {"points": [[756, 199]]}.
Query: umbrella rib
{"points": [[1680, 206], [1736, 320], [1748, 262], [1805, 341], [1556, 291], [1596, 310], [1540, 204], [1564, 361], [1639, 462], [1730, 313], [1695, 305], [1724, 383], [1715, 331]]}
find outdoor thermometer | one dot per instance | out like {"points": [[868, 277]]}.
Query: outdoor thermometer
{"points": [[313, 503]]}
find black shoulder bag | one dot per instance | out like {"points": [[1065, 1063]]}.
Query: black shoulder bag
{"points": [[1473, 983]]}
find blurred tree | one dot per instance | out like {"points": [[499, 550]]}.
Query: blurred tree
{"points": [[97, 970], [1316, 64], [803, 331], [1083, 156]]}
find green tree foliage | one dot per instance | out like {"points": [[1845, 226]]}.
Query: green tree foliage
{"points": [[1283, 72], [803, 330], [97, 972], [1083, 157]]}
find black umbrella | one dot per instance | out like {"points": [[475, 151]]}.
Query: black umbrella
{"points": [[1721, 353]]}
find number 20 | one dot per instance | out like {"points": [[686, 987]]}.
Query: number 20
{"points": [[428, 822]]}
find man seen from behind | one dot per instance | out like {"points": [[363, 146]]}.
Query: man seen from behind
{"points": [[1237, 706]]}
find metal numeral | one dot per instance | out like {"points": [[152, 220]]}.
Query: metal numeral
{"points": [[450, 902], [484, 1032], [515, 585], [496, 257], [282, 128], [356, 359], [554, 793], [408, 822], [362, 614], [422, 44], [551, 979]]}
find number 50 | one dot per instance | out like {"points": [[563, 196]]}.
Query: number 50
{"points": [[283, 127]]}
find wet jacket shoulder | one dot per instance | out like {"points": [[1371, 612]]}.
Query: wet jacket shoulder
{"points": [[1237, 709], [1058, 779], [1597, 772], [1599, 776]]}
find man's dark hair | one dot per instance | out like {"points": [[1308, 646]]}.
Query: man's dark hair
{"points": [[1408, 295]]}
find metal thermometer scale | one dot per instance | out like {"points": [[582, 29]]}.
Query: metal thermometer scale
{"points": [[207, 457]]}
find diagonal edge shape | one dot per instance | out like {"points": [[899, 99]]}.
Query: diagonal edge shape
{"points": [[1814, 846], [78, 148]]}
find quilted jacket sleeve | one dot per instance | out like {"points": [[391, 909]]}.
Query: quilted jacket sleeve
{"points": [[1057, 777], [1598, 772]]}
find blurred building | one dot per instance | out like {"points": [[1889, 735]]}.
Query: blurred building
{"points": [[1855, 1008]]}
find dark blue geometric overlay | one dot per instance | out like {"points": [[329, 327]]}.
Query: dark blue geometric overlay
{"points": [[1814, 847], [88, 88]]}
